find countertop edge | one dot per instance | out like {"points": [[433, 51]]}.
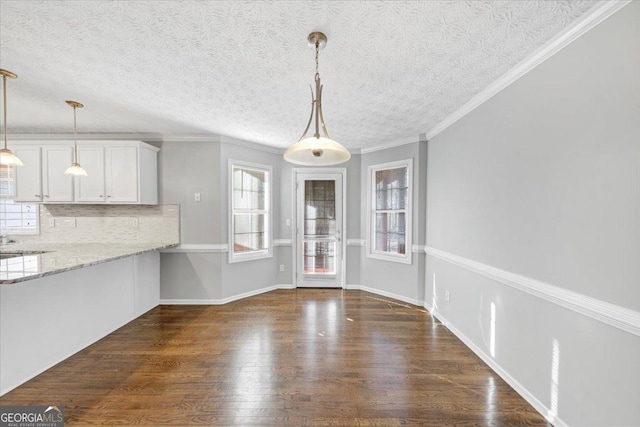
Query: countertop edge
{"points": [[88, 264]]}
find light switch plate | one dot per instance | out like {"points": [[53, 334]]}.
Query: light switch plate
{"points": [[52, 223]]}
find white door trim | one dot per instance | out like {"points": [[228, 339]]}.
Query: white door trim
{"points": [[343, 241]]}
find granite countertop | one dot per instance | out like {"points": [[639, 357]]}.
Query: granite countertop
{"points": [[57, 258]]}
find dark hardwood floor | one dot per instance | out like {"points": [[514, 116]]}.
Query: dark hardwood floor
{"points": [[305, 357]]}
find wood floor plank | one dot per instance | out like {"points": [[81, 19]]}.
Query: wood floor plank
{"points": [[306, 357]]}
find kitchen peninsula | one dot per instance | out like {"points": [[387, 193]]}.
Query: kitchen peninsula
{"points": [[95, 270]]}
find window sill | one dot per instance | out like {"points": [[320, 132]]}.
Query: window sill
{"points": [[399, 259]]}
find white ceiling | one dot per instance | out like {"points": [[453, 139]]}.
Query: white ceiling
{"points": [[391, 69]]}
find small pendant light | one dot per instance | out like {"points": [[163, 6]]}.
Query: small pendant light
{"points": [[6, 156], [75, 168]]}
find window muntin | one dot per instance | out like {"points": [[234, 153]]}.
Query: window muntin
{"points": [[250, 212], [15, 218], [390, 215]]}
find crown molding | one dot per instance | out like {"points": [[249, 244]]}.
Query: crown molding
{"points": [[385, 146], [252, 145], [596, 15], [145, 137], [191, 138]]}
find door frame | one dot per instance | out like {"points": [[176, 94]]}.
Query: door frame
{"points": [[294, 231]]}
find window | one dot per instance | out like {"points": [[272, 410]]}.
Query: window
{"points": [[390, 211], [15, 218], [250, 219]]}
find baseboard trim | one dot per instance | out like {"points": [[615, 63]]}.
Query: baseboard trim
{"points": [[227, 300], [519, 388], [611, 314], [385, 294]]}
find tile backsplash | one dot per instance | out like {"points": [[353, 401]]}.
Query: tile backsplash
{"points": [[108, 224]]}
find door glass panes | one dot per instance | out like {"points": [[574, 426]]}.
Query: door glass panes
{"points": [[319, 208], [391, 195], [250, 210], [319, 257], [319, 241]]}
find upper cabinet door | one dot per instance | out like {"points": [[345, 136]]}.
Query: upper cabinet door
{"points": [[122, 174], [56, 186], [91, 188], [29, 176]]}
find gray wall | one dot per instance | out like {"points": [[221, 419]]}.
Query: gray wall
{"points": [[243, 277], [186, 168], [543, 180], [189, 167], [404, 280]]}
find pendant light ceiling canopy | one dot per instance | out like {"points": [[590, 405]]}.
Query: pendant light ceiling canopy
{"points": [[75, 168], [6, 156], [317, 150]]}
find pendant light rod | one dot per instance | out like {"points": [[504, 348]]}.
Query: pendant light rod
{"points": [[5, 75], [6, 156], [75, 168], [75, 105], [319, 41]]}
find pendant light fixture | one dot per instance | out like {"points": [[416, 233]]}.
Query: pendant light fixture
{"points": [[75, 168], [317, 150], [6, 156]]}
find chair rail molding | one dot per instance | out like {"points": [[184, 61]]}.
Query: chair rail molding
{"points": [[205, 248], [620, 317]]}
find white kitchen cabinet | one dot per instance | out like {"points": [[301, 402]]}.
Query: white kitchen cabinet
{"points": [[122, 173], [119, 172], [91, 188], [42, 177], [28, 177], [56, 186]]}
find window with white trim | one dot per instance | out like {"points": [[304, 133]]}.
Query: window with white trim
{"points": [[250, 216], [389, 219], [15, 218]]}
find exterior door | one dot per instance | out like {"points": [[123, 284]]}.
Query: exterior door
{"points": [[319, 233]]}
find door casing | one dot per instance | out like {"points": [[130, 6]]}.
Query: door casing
{"points": [[343, 240]]}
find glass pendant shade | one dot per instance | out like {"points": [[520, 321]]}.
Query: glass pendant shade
{"points": [[317, 152], [76, 170], [7, 158]]}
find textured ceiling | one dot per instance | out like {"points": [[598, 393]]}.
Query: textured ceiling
{"points": [[391, 69]]}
